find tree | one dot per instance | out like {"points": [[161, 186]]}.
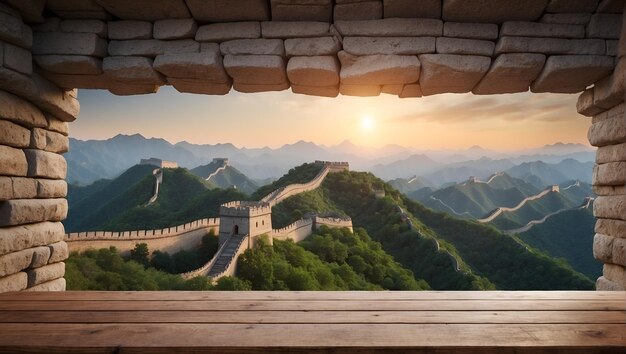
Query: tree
{"points": [[141, 254], [163, 261]]}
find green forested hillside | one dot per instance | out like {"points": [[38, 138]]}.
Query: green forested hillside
{"points": [[301, 174], [230, 177]]}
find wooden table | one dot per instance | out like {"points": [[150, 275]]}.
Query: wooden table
{"points": [[328, 322]]}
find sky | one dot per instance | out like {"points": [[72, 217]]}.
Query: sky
{"points": [[448, 121]]}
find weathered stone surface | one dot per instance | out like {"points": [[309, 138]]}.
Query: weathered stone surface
{"points": [[70, 64], [492, 11], [609, 174], [331, 91], [571, 73], [611, 153], [13, 135], [392, 27], [24, 211], [13, 282], [550, 46], [55, 101], [85, 26], [603, 284], [359, 90], [41, 255], [567, 18], [126, 30], [130, 89], [312, 46], [175, 28], [609, 92], [610, 207], [206, 65], [286, 29], [68, 81], [603, 247], [220, 32], [44, 274], [12, 263], [614, 228], [618, 252], [83, 15], [17, 188], [57, 125], [615, 273], [14, 31], [510, 73], [534, 29], [69, 43], [229, 11], [254, 88], [376, 70], [447, 45], [604, 26], [609, 190], [20, 111], [12, 162], [615, 112], [58, 252], [199, 86], [45, 164], [54, 285], [50, 24], [585, 105], [49, 141], [256, 69], [610, 131], [470, 30], [152, 47], [31, 11], [451, 73], [389, 45], [412, 9], [612, 47], [367, 10], [572, 6], [611, 6], [313, 71], [16, 58], [392, 89], [51, 188], [304, 10], [411, 90], [259, 46], [137, 70], [147, 10]]}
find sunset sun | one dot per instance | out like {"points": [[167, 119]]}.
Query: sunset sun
{"points": [[367, 123]]}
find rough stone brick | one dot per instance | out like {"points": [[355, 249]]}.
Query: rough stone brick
{"points": [[199, 86], [412, 90], [615, 112], [610, 207], [412, 9], [442, 73], [614, 228], [16, 58], [618, 253], [253, 88], [50, 24], [611, 6], [307, 10], [470, 30], [14, 31], [30, 10], [206, 65], [609, 92], [175, 28], [147, 10], [392, 27], [560, 6], [571, 73], [331, 91], [550, 46], [604, 26], [609, 190], [312, 46], [368, 10], [12, 162], [127, 30], [49, 141], [44, 274], [447, 45], [603, 247], [59, 252], [612, 47], [152, 47], [229, 11], [12, 263], [6, 188], [566, 18], [137, 70], [615, 272], [492, 11], [45, 164], [359, 90], [313, 71], [611, 153], [54, 285], [585, 105], [20, 111], [372, 70], [220, 32], [534, 29], [52, 99], [610, 131], [57, 125], [23, 188], [130, 89], [24, 211], [69, 43], [259, 46], [610, 174], [286, 29], [70, 64], [389, 45], [85, 26], [13, 282], [603, 284], [51, 188], [510, 73], [256, 69], [41, 255], [13, 135]]}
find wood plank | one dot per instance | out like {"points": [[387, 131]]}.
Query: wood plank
{"points": [[321, 317], [298, 305]]}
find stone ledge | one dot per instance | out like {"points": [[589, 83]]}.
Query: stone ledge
{"points": [[313, 71], [610, 207], [571, 73], [45, 164], [12, 162], [372, 70], [13, 282], [511, 73], [26, 211], [442, 73], [59, 251], [45, 273], [55, 285]]}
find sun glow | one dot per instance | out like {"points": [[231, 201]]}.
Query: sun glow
{"points": [[367, 123]]}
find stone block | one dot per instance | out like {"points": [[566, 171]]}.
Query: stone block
{"points": [[359, 90], [199, 86], [13, 135], [58, 252], [152, 47], [52, 99], [69, 44], [492, 11], [511, 73], [412, 9], [24, 211], [411, 90], [229, 11], [304, 10], [609, 190], [130, 89], [607, 26], [14, 31], [486, 31], [256, 69], [618, 252], [559, 6], [206, 65], [376, 70], [259, 46], [6, 188], [70, 64], [313, 71], [135, 70], [254, 88], [571, 73], [392, 89], [615, 112], [566, 18], [331, 91], [175, 28], [42, 139], [54, 285], [389, 45], [611, 153], [13, 282], [16, 58], [612, 47], [73, 5], [609, 174], [603, 284], [603, 247], [145, 10], [550, 46], [287, 29], [85, 26], [312, 46], [446, 45], [44, 274], [41, 255], [12, 263], [84, 15], [367, 10], [127, 30], [20, 111], [17, 188], [585, 105], [609, 227], [610, 131], [534, 29], [616, 273], [609, 92], [610, 207], [221, 32], [50, 24], [12, 162], [51, 188], [30, 10], [443, 73], [611, 6], [392, 27], [45, 164], [57, 125]]}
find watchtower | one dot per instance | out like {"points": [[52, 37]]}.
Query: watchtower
{"points": [[245, 218]]}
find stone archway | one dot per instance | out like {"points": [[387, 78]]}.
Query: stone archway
{"points": [[235, 230], [48, 48]]}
